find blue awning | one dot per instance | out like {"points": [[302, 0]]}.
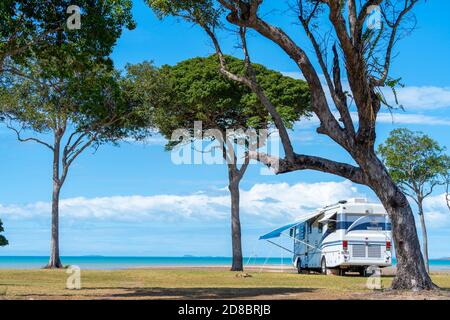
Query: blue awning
{"points": [[277, 232]]}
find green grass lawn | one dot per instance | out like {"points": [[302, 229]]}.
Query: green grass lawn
{"points": [[189, 284]]}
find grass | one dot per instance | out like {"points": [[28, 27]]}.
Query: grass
{"points": [[191, 284]]}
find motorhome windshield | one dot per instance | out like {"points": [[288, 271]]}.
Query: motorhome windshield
{"points": [[377, 222]]}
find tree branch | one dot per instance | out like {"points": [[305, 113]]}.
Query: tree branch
{"points": [[363, 14], [340, 28], [392, 38], [252, 83], [335, 86], [28, 139], [284, 136], [244, 166], [68, 158], [447, 193], [305, 162], [341, 98], [352, 18], [432, 186], [329, 124]]}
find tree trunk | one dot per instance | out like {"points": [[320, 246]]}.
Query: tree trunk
{"points": [[424, 235], [411, 270], [236, 227], [447, 193], [55, 261]]}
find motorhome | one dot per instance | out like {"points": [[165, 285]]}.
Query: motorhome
{"points": [[351, 235]]}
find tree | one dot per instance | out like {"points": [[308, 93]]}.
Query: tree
{"points": [[18, 32], [3, 240], [71, 114], [70, 96], [447, 188], [229, 114], [447, 193], [28, 26], [417, 164], [366, 53]]}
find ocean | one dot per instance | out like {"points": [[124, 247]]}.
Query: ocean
{"points": [[110, 263]]}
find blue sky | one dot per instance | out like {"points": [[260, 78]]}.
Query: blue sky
{"points": [[132, 200]]}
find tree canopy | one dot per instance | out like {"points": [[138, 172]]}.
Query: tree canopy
{"points": [[40, 28], [417, 164], [87, 102], [58, 72], [195, 90], [415, 161], [70, 80], [3, 240]]}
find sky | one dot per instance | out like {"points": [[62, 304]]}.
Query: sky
{"points": [[132, 200]]}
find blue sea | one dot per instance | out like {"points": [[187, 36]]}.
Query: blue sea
{"points": [[110, 263]]}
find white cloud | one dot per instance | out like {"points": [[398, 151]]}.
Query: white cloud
{"points": [[421, 98], [437, 214], [289, 201], [132, 208], [412, 98], [398, 118], [409, 118], [263, 203], [268, 203]]}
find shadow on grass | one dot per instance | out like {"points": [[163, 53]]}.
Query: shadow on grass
{"points": [[178, 293], [209, 293]]}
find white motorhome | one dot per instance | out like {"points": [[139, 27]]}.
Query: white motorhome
{"points": [[347, 236]]}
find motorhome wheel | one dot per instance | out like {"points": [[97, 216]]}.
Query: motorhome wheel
{"points": [[324, 266], [299, 266], [363, 272]]}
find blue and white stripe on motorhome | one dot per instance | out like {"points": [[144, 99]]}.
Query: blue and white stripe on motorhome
{"points": [[351, 242], [346, 224]]}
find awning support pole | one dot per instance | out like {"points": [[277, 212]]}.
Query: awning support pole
{"points": [[306, 244], [276, 244]]}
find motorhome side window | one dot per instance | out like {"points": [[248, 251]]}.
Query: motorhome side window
{"points": [[293, 232], [320, 228], [301, 232], [331, 225]]}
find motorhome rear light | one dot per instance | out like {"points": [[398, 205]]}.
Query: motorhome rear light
{"points": [[345, 245], [388, 245]]}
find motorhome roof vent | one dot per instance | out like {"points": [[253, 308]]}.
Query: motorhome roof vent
{"points": [[358, 200]]}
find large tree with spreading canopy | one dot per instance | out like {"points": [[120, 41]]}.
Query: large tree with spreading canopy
{"points": [[228, 113], [418, 164], [358, 54], [65, 94]]}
